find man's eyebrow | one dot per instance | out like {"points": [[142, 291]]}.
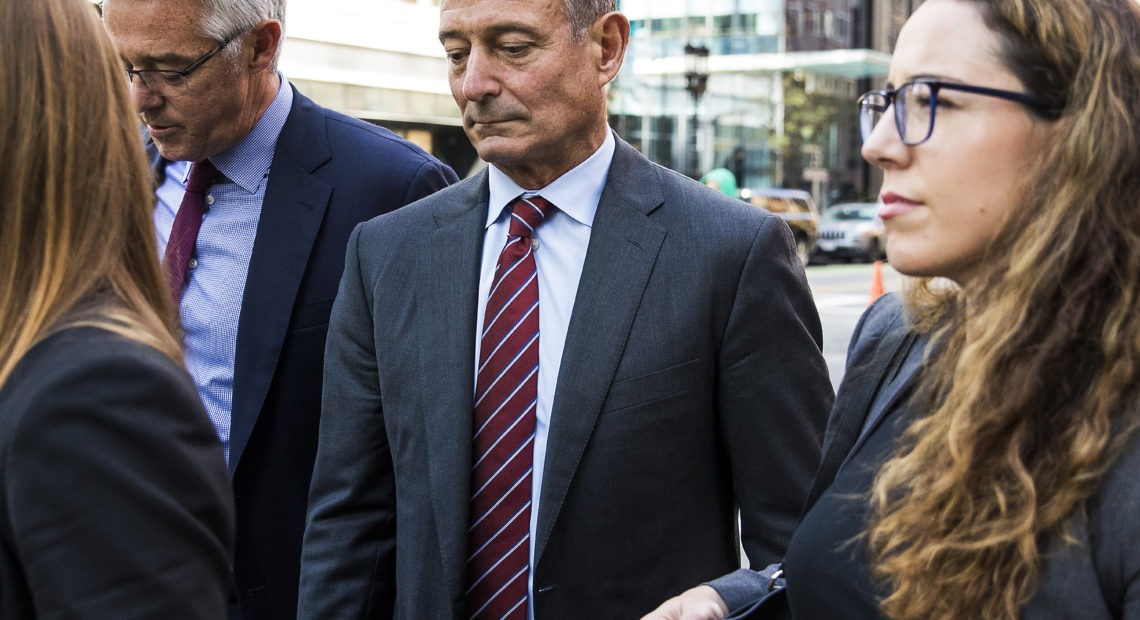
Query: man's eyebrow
{"points": [[167, 58], [497, 30], [514, 28]]}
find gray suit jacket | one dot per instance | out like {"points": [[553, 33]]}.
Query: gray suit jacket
{"points": [[691, 383]]}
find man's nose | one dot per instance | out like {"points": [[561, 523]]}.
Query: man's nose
{"points": [[144, 98], [479, 77]]}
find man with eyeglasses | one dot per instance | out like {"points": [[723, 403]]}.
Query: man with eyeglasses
{"points": [[292, 180]]}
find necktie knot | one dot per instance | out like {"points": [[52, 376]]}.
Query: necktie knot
{"points": [[202, 176], [527, 213]]}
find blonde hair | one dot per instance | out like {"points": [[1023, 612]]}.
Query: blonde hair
{"points": [[1034, 387], [77, 242]]}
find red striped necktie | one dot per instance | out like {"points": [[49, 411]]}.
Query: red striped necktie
{"points": [[506, 396]]}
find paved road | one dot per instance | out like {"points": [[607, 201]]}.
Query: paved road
{"points": [[841, 293]]}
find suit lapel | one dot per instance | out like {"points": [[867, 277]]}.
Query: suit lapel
{"points": [[892, 393], [623, 248], [291, 214], [451, 275], [864, 395]]}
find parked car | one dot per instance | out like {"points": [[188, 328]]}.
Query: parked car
{"points": [[796, 207], [851, 230]]}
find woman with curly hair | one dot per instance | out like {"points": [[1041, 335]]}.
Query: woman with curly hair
{"points": [[996, 472], [114, 498]]}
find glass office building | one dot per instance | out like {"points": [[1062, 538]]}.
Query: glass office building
{"points": [[778, 109], [779, 106]]}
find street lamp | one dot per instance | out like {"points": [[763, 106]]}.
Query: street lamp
{"points": [[696, 81]]}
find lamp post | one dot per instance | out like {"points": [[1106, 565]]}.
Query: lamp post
{"points": [[696, 81]]}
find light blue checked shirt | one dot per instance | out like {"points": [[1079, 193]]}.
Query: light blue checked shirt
{"points": [[211, 303], [562, 240]]}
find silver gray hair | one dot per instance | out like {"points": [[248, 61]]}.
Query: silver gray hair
{"points": [[581, 13], [227, 18]]}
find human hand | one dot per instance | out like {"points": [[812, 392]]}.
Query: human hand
{"points": [[699, 603]]}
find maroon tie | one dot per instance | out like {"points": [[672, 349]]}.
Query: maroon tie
{"points": [[184, 232], [506, 394]]}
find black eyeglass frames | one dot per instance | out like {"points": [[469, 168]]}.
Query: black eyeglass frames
{"points": [[915, 104], [172, 82]]}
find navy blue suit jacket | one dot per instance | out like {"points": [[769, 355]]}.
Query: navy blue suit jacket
{"points": [[329, 173]]}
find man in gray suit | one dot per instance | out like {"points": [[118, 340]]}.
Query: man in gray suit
{"points": [[677, 382]]}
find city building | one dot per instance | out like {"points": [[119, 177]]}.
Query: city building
{"points": [[379, 60], [777, 102]]}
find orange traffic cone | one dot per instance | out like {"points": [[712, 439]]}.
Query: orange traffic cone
{"points": [[876, 282]]}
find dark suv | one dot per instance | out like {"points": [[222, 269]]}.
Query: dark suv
{"points": [[796, 207]]}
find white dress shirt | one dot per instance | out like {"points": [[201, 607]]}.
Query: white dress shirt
{"points": [[562, 241]]}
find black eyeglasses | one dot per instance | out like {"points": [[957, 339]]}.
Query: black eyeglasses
{"points": [[171, 82], [916, 102]]}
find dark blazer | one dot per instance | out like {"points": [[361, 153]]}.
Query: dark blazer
{"points": [[329, 173], [691, 383], [115, 500], [1097, 573], [1094, 575], [883, 360]]}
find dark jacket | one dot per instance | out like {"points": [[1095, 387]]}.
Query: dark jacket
{"points": [[691, 384], [115, 501], [329, 173]]}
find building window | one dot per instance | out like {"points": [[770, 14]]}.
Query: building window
{"points": [[841, 30]]}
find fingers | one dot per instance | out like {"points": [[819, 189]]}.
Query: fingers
{"points": [[699, 603]]}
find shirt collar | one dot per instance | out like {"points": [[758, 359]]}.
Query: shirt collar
{"points": [[575, 193], [247, 162]]}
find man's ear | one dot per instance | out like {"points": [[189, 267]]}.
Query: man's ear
{"points": [[611, 34], [266, 37]]}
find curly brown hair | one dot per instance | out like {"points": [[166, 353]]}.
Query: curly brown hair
{"points": [[1034, 387]]}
